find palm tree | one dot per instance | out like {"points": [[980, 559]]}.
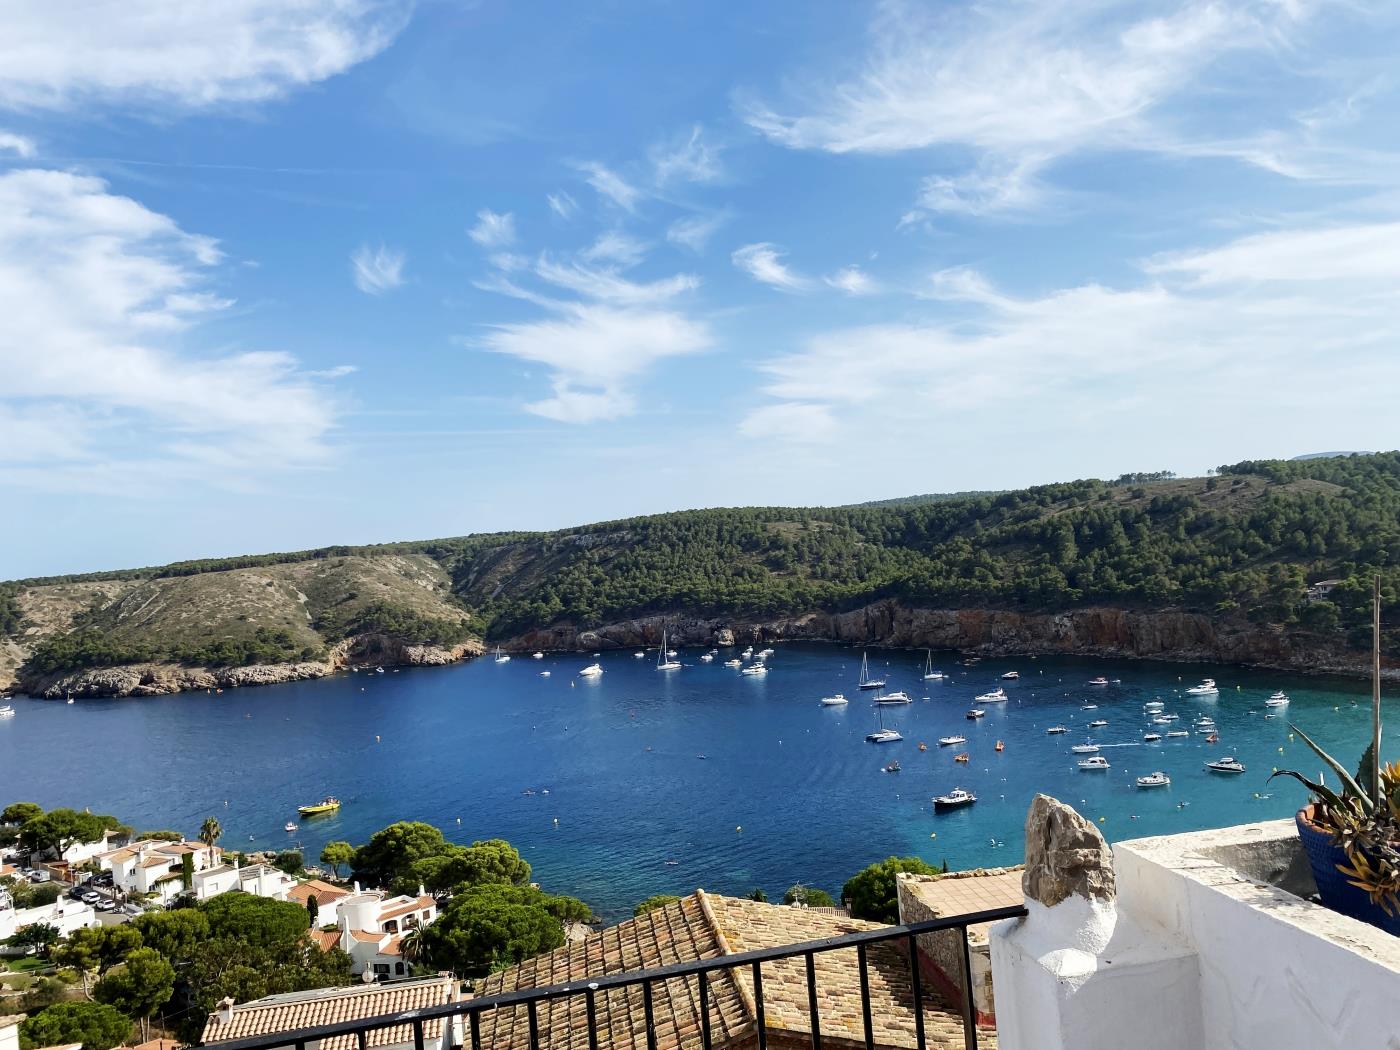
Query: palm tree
{"points": [[412, 946], [209, 833]]}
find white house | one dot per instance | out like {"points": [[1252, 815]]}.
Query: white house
{"points": [[372, 926], [65, 914], [328, 898], [151, 866], [263, 880]]}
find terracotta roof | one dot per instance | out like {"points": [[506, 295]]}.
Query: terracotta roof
{"points": [[326, 939], [392, 948], [158, 1044], [420, 904], [366, 936], [286, 1013], [323, 891], [157, 862], [961, 892], [704, 926]]}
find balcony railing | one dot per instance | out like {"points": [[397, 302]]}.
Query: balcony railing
{"points": [[591, 988]]}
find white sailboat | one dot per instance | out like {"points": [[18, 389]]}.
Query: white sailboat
{"points": [[664, 655], [883, 735], [502, 658], [591, 671], [930, 675], [866, 682]]}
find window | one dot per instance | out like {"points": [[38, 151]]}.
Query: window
{"points": [[381, 969], [391, 926], [398, 969]]}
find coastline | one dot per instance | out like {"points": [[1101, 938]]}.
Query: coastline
{"points": [[1103, 632]]}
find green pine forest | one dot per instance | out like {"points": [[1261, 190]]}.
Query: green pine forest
{"points": [[1243, 542]]}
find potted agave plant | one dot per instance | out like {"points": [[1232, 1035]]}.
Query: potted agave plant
{"points": [[1352, 835]]}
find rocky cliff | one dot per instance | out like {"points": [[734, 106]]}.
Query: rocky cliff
{"points": [[1094, 631], [158, 679]]}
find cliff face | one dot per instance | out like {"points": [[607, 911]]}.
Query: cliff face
{"points": [[1106, 632], [159, 679]]}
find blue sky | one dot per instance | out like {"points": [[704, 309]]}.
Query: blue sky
{"points": [[282, 273]]}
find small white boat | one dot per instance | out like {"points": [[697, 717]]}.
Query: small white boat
{"points": [[6, 711], [899, 696], [1163, 720], [664, 655], [765, 653], [930, 675], [1226, 765], [706, 658], [638, 656], [1089, 707], [976, 712], [1279, 699], [955, 799], [544, 674], [1053, 730], [951, 741], [754, 669], [834, 701], [501, 658], [1152, 738], [591, 671], [537, 656], [1011, 676], [289, 827], [1085, 749], [883, 736], [734, 663], [380, 670], [1098, 681], [1095, 763], [1203, 720], [1206, 688], [1154, 780], [1098, 723], [747, 652], [995, 696], [866, 682], [1177, 734], [1153, 705]]}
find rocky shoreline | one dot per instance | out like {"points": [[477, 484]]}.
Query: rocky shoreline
{"points": [[161, 679], [1093, 632]]}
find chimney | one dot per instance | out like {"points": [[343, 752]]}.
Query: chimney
{"points": [[421, 891], [226, 1010], [357, 887]]}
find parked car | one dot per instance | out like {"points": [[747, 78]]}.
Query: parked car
{"points": [[91, 898], [105, 905], [77, 893], [132, 909]]}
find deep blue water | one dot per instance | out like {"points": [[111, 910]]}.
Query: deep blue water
{"points": [[788, 790]]}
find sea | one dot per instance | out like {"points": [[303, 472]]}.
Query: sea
{"points": [[642, 781]]}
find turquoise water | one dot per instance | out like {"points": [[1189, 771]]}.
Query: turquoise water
{"points": [[787, 790]]}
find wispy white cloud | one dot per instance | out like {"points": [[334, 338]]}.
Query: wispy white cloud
{"points": [[695, 231], [101, 298], [67, 53], [608, 183], [376, 270], [1020, 85], [561, 204], [606, 285], [689, 158], [493, 230], [16, 144], [792, 422], [764, 262], [616, 247], [852, 280]]}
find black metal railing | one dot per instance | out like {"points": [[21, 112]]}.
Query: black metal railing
{"points": [[591, 988]]}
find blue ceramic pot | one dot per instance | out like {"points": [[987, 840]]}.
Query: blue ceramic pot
{"points": [[1336, 892]]}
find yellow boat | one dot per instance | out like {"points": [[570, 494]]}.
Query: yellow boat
{"points": [[326, 805]]}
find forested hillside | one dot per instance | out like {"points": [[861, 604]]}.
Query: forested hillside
{"points": [[1245, 543]]}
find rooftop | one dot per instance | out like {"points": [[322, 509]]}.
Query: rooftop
{"points": [[286, 1013], [963, 892], [705, 926], [324, 892]]}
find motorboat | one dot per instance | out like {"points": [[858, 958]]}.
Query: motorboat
{"points": [[765, 653], [706, 658], [501, 658], [1085, 749], [1176, 734], [1089, 707], [6, 711], [1169, 716], [951, 741], [1011, 676], [1153, 705], [290, 826], [544, 674], [1152, 738], [329, 804], [1001, 746], [976, 712], [591, 671], [1214, 738], [930, 675], [892, 767], [866, 682], [1095, 763], [899, 696], [996, 695], [1098, 681], [923, 746], [964, 757], [665, 657], [1279, 699], [747, 652], [1226, 765], [834, 701], [638, 655], [1098, 723], [955, 799], [1206, 688], [1203, 720], [752, 669], [1053, 730], [734, 663], [1155, 780], [1162, 720], [883, 736]]}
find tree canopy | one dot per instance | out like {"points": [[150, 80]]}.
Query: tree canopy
{"points": [[872, 890], [659, 900], [489, 927], [96, 1025]]}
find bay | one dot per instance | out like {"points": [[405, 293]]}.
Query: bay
{"points": [[643, 781]]}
